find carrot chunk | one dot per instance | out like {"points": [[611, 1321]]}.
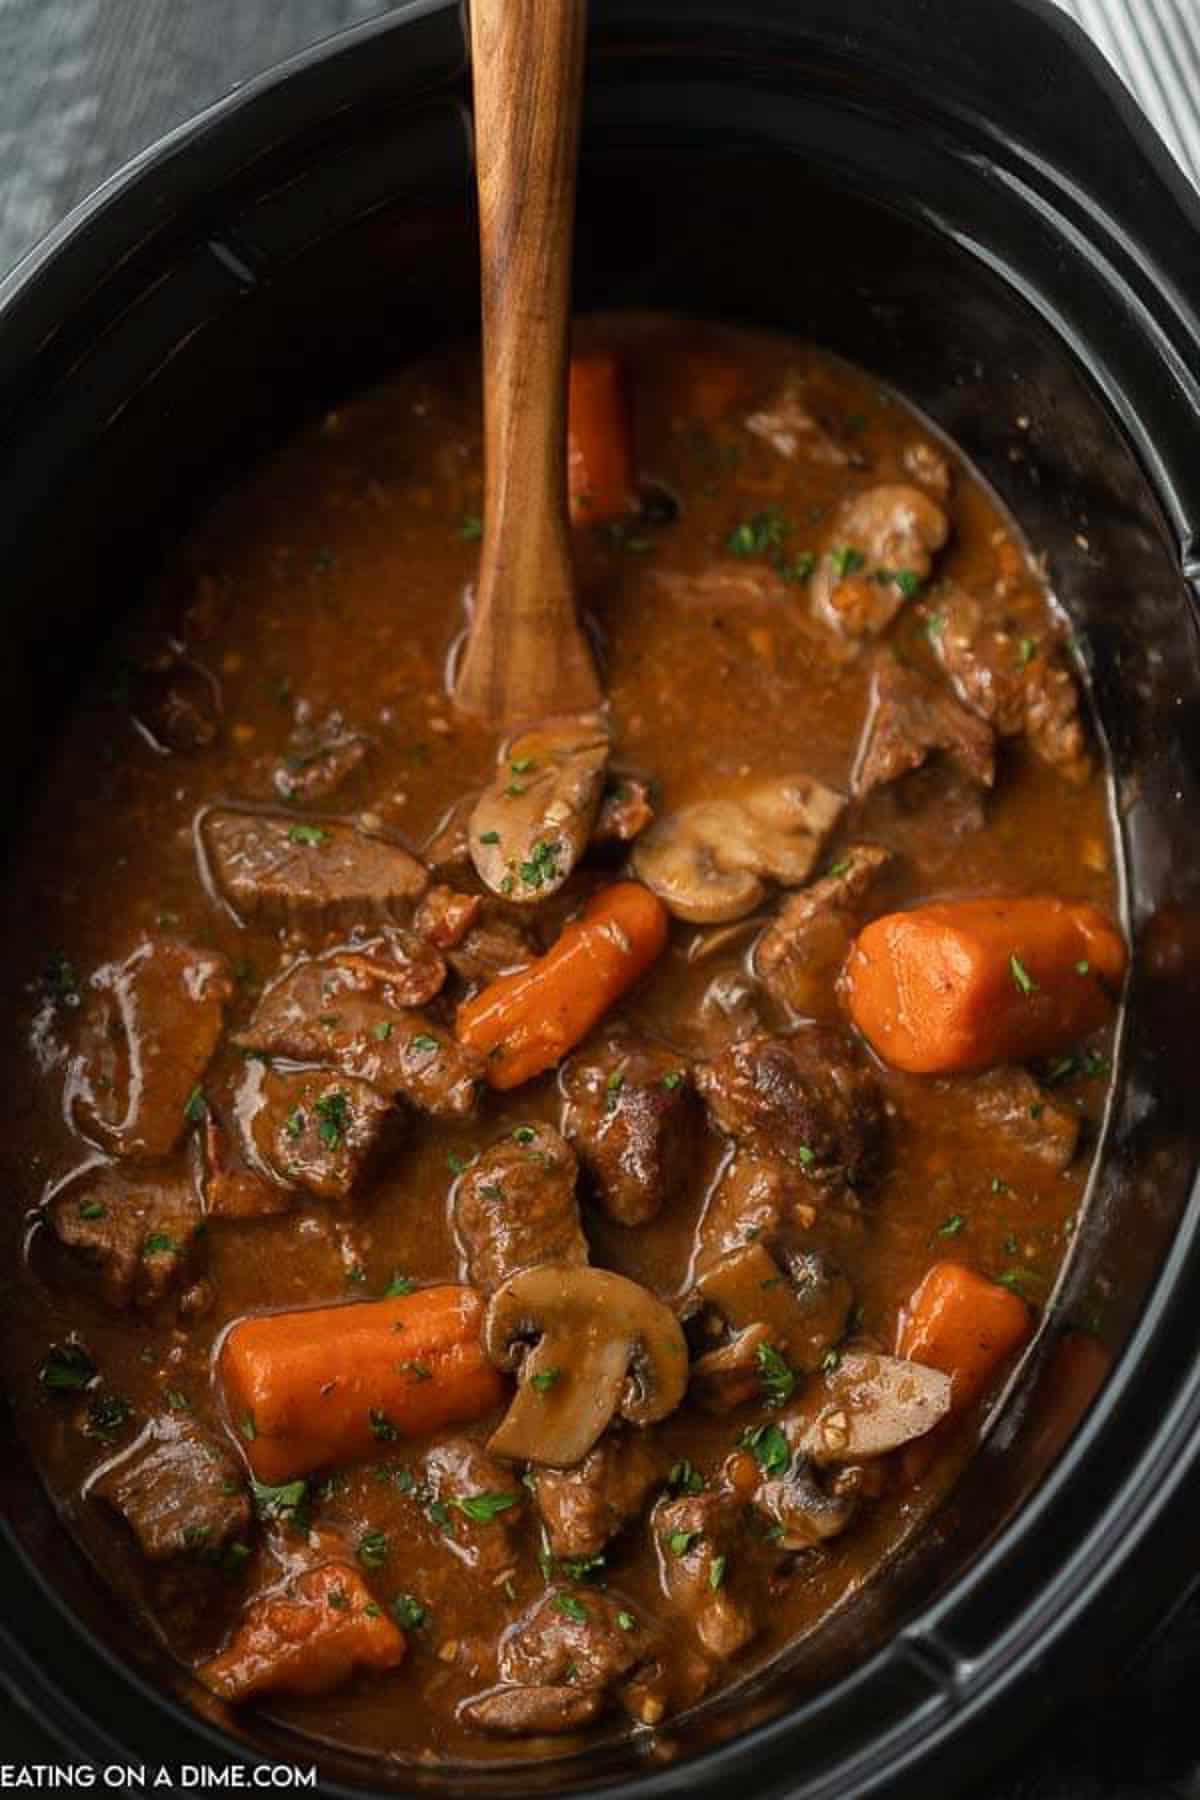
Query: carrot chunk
{"points": [[964, 1325], [331, 1383], [526, 1022], [306, 1640], [962, 984], [600, 475]]}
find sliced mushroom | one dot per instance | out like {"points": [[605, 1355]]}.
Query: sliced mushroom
{"points": [[710, 862], [868, 1405], [531, 826], [802, 1319], [805, 1510], [588, 1345], [883, 542]]}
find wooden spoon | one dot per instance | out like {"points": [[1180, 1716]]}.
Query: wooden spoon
{"points": [[526, 655]]}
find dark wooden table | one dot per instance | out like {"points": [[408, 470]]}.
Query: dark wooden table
{"points": [[85, 84]]}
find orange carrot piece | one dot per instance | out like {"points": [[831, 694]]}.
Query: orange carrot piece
{"points": [[600, 475], [330, 1383], [964, 1325], [527, 1021], [963, 984], [307, 1639]]}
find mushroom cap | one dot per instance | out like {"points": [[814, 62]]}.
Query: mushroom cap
{"points": [[710, 862], [587, 1345], [531, 826]]}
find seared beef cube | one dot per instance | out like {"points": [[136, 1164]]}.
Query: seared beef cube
{"points": [[516, 1206], [306, 874], [318, 760], [1010, 1102], [178, 1490], [755, 1201], [150, 1029], [694, 1536], [317, 1130], [1007, 668], [630, 1116], [231, 1192], [583, 1507], [534, 1711], [139, 1229], [882, 546], [808, 1100], [801, 952], [909, 717], [342, 1010], [445, 916], [572, 1635], [482, 1502], [625, 810], [806, 1508], [496, 944]]}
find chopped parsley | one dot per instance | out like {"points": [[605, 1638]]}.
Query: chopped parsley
{"points": [[1021, 975], [294, 1123], [333, 1117], [483, 1508], [288, 1502], [382, 1032], [908, 581], [522, 765], [542, 866], [1019, 1279], [716, 1573], [177, 1400], [770, 1448], [68, 1368], [247, 1427], [160, 1243], [381, 1426], [470, 528], [398, 1286], [674, 1078], [91, 1209], [456, 1163], [805, 1156], [489, 837], [524, 1134], [408, 1612], [775, 1378], [571, 1608], [1083, 968], [544, 1380], [311, 836], [758, 535], [373, 1549], [952, 1226], [680, 1542], [845, 560], [626, 1621], [195, 1107], [106, 1415], [422, 1042], [685, 1478]]}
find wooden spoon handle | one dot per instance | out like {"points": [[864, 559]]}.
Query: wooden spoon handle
{"points": [[526, 654]]}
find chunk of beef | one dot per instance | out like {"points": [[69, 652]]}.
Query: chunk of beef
{"points": [[304, 874], [1009, 1102], [516, 1206], [584, 1506], [1007, 667], [138, 1229], [694, 1536], [444, 917], [496, 944], [231, 1192], [484, 1504], [582, 1642], [928, 467], [176, 703], [318, 760], [313, 1129], [757, 1199], [177, 1489], [787, 424], [805, 1507], [908, 718], [807, 1100], [801, 952], [631, 1119], [335, 1010], [882, 545], [625, 810], [151, 1025], [534, 1711]]}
